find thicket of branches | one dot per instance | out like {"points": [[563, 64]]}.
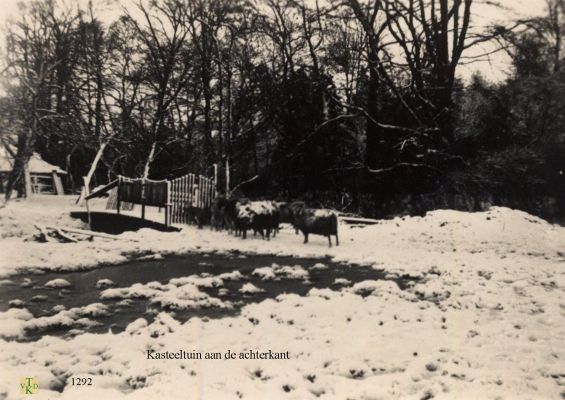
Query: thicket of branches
{"points": [[354, 104]]}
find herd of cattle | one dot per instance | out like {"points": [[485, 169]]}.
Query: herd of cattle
{"points": [[264, 217]]}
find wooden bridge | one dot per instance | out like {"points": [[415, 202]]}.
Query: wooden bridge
{"points": [[178, 197]]}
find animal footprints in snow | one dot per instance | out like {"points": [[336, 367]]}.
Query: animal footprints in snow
{"points": [[357, 373]]}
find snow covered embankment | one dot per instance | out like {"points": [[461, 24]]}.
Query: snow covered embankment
{"points": [[487, 321]]}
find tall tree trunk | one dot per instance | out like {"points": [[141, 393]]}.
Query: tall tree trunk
{"points": [[28, 190], [220, 112], [374, 152], [229, 132], [156, 127], [206, 71], [149, 160], [19, 177], [68, 168], [88, 177]]}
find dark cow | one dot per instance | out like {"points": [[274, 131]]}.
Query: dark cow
{"points": [[287, 211], [242, 219], [261, 216], [265, 217], [198, 216], [228, 213], [218, 218], [317, 222]]}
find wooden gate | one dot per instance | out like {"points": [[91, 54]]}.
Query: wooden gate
{"points": [[190, 194]]}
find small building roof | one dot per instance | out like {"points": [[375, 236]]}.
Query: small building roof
{"points": [[36, 164]]}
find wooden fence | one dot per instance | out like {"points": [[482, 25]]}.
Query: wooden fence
{"points": [[188, 194]]}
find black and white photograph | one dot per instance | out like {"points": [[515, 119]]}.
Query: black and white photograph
{"points": [[282, 199]]}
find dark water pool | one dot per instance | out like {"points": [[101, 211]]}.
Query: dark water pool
{"points": [[83, 289]]}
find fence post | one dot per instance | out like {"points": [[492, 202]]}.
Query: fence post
{"points": [[199, 201], [142, 198], [191, 190], [172, 200], [184, 200], [203, 205], [209, 195], [86, 191], [207, 192], [215, 186], [227, 176], [212, 193], [215, 180], [189, 199], [118, 202], [168, 204]]}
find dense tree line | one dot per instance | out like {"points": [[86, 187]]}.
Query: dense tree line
{"points": [[354, 104]]}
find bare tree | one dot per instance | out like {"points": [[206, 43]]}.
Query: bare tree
{"points": [[163, 32], [33, 74]]}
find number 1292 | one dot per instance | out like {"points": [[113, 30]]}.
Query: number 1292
{"points": [[81, 381]]}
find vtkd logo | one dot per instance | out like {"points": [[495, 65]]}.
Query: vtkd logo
{"points": [[29, 386]]}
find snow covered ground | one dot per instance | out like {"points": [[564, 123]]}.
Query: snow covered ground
{"points": [[485, 321]]}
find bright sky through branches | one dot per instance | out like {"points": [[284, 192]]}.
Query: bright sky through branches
{"points": [[484, 12]]}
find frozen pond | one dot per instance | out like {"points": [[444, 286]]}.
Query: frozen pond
{"points": [[212, 277]]}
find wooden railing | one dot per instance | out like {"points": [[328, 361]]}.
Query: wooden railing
{"points": [[181, 197], [143, 191]]}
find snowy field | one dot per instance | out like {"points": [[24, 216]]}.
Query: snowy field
{"points": [[485, 320]]}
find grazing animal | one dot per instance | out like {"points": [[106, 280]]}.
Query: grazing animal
{"points": [[289, 210], [285, 214], [317, 222], [216, 213], [229, 213], [296, 206], [243, 218], [198, 216], [221, 207], [261, 216], [265, 217]]}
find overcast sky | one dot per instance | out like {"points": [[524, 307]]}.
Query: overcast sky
{"points": [[494, 70]]}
